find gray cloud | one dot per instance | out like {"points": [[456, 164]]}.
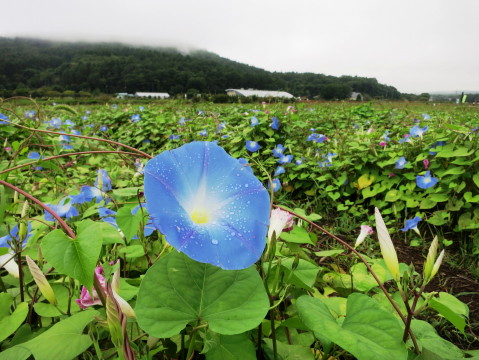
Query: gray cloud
{"points": [[416, 46]]}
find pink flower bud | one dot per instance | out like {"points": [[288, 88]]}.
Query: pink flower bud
{"points": [[426, 163]]}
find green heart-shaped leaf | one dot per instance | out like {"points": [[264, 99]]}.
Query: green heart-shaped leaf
{"points": [[177, 290]]}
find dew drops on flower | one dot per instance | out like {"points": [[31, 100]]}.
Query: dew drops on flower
{"points": [[208, 205]]}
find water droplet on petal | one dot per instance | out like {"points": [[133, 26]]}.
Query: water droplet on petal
{"points": [[214, 242]]}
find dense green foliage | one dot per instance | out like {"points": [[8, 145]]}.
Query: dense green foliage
{"points": [[309, 296], [43, 68]]}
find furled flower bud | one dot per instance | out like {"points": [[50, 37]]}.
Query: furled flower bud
{"points": [[431, 266], [280, 221], [41, 281], [387, 247], [365, 231]]}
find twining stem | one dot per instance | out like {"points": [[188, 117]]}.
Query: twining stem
{"points": [[46, 208], [67, 155], [352, 249], [83, 137], [411, 311]]}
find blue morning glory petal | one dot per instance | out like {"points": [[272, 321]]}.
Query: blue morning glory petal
{"points": [[252, 146], [245, 164], [254, 121], [203, 133], [276, 185], [34, 155], [278, 150], [279, 170], [411, 224], [64, 209], [275, 123], [104, 179], [4, 119], [426, 181], [285, 159], [401, 162], [208, 205], [13, 236]]}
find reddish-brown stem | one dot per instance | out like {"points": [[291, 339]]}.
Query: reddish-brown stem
{"points": [[70, 154], [46, 208], [352, 249], [85, 137]]}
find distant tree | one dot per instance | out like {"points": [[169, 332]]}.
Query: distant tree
{"points": [[335, 91]]}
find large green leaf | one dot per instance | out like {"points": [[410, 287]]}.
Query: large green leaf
{"points": [[428, 338], [9, 324], [75, 257], [177, 290], [232, 347], [288, 352], [63, 341], [451, 308], [368, 331]]}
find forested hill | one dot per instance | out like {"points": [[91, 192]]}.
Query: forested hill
{"points": [[30, 64]]}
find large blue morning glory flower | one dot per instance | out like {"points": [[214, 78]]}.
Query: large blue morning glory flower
{"points": [[426, 181], [208, 205], [64, 209]]}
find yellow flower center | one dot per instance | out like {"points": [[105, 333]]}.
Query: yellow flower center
{"points": [[200, 216]]}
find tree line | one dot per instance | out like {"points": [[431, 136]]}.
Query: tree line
{"points": [[32, 67]]}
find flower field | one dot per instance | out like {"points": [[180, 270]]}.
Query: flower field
{"points": [[170, 230]]}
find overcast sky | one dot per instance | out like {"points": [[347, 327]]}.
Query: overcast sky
{"points": [[414, 45]]}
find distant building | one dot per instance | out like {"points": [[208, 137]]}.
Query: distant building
{"points": [[152, 95], [259, 93], [356, 96], [123, 95]]}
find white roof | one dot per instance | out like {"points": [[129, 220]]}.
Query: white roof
{"points": [[152, 94], [261, 93]]}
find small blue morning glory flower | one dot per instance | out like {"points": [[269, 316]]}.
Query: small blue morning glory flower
{"points": [[254, 121], [55, 122], [299, 162], [174, 137], [4, 119], [279, 170], [30, 114], [401, 162], [103, 128], [114, 106], [274, 123], [203, 133], [285, 159], [316, 138], [64, 138], [276, 184], [412, 224], [84, 117], [66, 146], [221, 125], [330, 156], [135, 118], [278, 150], [417, 131], [64, 209], [14, 236], [426, 181], [208, 205], [252, 146], [436, 144], [182, 121], [200, 112], [426, 117], [141, 108], [34, 155], [69, 123], [103, 181]]}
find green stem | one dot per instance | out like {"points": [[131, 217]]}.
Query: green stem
{"points": [[381, 286], [191, 347]]}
